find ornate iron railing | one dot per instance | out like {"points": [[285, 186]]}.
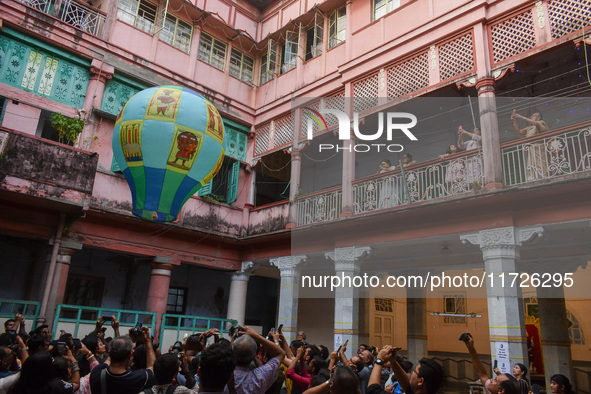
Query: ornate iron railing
{"points": [[41, 5], [445, 178], [547, 157], [317, 208], [82, 17]]}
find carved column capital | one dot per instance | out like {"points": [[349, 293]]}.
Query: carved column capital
{"points": [[101, 71], [504, 237], [288, 265], [347, 259], [245, 272]]}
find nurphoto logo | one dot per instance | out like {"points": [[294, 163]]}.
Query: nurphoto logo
{"points": [[345, 125]]}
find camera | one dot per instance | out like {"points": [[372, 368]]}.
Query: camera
{"points": [[177, 348], [233, 331], [464, 337], [107, 318], [137, 330]]}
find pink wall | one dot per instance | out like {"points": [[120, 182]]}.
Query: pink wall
{"points": [[243, 22], [21, 117], [172, 58], [134, 40]]}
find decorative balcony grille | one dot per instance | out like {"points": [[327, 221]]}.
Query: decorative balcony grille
{"points": [[82, 17], [319, 208], [365, 93], [409, 76], [263, 135], [336, 101], [41, 5], [513, 36], [456, 57], [433, 181], [567, 16], [545, 158], [283, 131]]}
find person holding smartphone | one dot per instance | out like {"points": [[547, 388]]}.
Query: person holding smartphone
{"points": [[426, 377]]}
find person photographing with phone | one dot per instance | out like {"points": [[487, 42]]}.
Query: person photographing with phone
{"points": [[426, 377], [114, 376]]}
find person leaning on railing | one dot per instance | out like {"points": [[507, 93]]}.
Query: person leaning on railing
{"points": [[536, 162]]}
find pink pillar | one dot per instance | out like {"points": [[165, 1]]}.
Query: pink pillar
{"points": [[158, 290], [60, 278], [489, 124], [100, 73], [349, 31]]}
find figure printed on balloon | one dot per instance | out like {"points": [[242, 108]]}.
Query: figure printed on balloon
{"points": [[164, 104], [187, 146]]}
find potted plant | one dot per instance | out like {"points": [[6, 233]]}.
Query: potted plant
{"points": [[69, 128]]}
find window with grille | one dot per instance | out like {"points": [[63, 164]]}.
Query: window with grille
{"points": [[314, 37], [212, 51], [454, 304], [140, 14], [384, 305], [290, 52], [241, 66], [268, 63], [382, 7], [176, 33], [176, 300], [337, 27], [574, 330]]}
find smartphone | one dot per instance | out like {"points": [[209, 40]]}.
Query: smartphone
{"points": [[77, 343], [107, 318], [61, 348], [280, 328], [495, 364], [346, 342], [464, 337]]}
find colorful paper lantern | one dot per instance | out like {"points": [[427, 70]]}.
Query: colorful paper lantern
{"points": [[168, 141]]}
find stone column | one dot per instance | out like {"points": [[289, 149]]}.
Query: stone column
{"points": [[238, 290], [500, 249], [489, 127], [416, 323], [288, 293], [346, 297], [60, 278], [296, 171], [554, 333], [158, 290]]}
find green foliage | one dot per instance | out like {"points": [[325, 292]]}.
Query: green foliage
{"points": [[215, 197], [69, 128]]}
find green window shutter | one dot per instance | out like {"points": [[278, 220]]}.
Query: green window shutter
{"points": [[115, 166], [233, 183], [206, 189]]}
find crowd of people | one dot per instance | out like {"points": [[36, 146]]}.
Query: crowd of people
{"points": [[249, 363]]}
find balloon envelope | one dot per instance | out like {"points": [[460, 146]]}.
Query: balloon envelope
{"points": [[168, 141]]}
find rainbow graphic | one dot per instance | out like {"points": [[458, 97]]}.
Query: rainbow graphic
{"points": [[317, 117]]}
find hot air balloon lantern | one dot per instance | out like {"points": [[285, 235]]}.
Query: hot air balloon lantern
{"points": [[168, 141]]}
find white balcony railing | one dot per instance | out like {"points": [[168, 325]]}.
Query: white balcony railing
{"points": [[41, 5], [72, 13], [318, 208], [440, 179], [82, 17], [548, 157]]}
